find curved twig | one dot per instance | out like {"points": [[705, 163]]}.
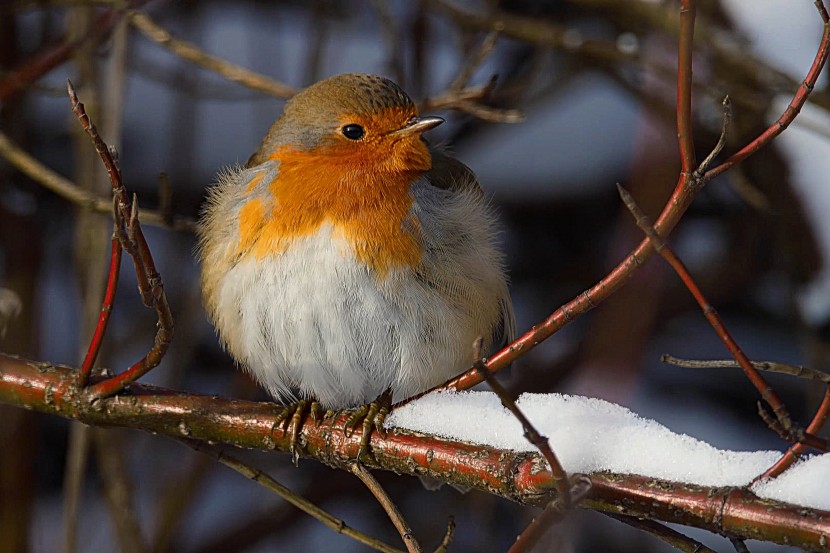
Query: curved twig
{"points": [[389, 506]]}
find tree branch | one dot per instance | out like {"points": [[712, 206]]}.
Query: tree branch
{"points": [[512, 475]]}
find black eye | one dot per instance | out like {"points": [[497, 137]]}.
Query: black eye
{"points": [[353, 132]]}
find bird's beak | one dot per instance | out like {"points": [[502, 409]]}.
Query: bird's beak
{"points": [[417, 125]]}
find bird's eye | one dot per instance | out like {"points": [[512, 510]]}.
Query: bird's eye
{"points": [[353, 132]]}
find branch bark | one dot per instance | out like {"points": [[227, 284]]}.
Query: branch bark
{"points": [[517, 476]]}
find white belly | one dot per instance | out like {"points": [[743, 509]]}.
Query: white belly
{"points": [[313, 321]]}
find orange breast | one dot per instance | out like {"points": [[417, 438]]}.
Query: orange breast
{"points": [[368, 208]]}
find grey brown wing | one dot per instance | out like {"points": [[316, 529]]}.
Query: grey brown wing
{"points": [[449, 173]]}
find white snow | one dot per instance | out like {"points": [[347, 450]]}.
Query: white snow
{"points": [[805, 483], [591, 435]]}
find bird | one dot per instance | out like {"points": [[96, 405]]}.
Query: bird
{"points": [[349, 260]]}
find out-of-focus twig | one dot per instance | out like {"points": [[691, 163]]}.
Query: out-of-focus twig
{"points": [[52, 55], [468, 101], [663, 533], [769, 366], [191, 53], [70, 191], [297, 501], [553, 513], [389, 506], [567, 496], [118, 492]]}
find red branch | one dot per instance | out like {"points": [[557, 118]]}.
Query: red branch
{"points": [[815, 426], [106, 307], [513, 475], [793, 109], [767, 393], [684, 87], [132, 239]]}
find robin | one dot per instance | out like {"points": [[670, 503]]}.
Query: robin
{"points": [[349, 262]]}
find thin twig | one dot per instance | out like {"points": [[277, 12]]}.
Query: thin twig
{"points": [[553, 513], [724, 134], [794, 433], [297, 501], [389, 506], [149, 280], [77, 454], [792, 454], [51, 56], [684, 86], [191, 53], [739, 545], [768, 366], [794, 107], [541, 443], [448, 536], [663, 533], [70, 191], [109, 299], [468, 99], [118, 492], [474, 62]]}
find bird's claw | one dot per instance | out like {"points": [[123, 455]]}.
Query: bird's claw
{"points": [[372, 416], [292, 418]]}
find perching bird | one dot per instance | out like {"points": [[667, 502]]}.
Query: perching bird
{"points": [[348, 257]]}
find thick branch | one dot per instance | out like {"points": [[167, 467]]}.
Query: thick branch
{"points": [[513, 475]]}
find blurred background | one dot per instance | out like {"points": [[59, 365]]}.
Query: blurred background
{"points": [[583, 99]]}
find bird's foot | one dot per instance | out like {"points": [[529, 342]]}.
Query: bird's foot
{"points": [[292, 418], [371, 416]]}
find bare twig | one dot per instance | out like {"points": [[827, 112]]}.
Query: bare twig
{"points": [[530, 433], [793, 432], [468, 100], [553, 512], [663, 533], [794, 107], [739, 545], [684, 86], [109, 299], [53, 55], [118, 492], [792, 454], [769, 366], [474, 62], [149, 281], [297, 501], [724, 135], [445, 543], [389, 506], [77, 454], [191, 53], [70, 191]]}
